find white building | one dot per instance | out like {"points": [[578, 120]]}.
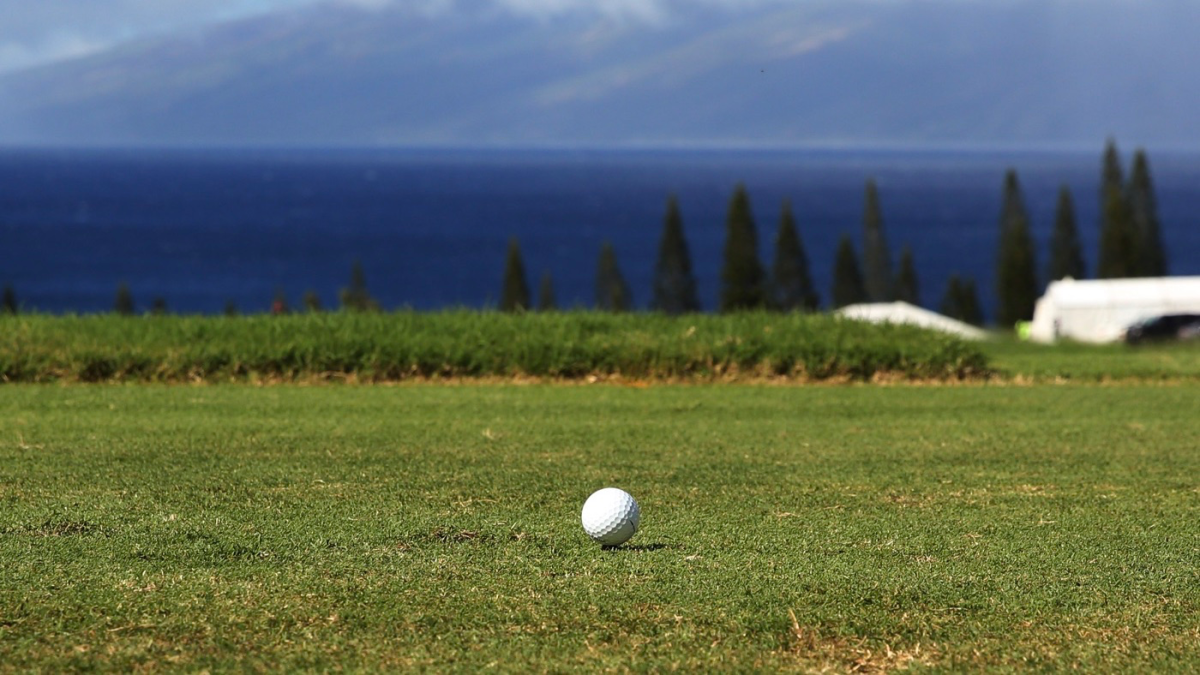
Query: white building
{"points": [[1100, 310], [902, 312]]}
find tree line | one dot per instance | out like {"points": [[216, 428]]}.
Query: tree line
{"points": [[1130, 246], [746, 284], [355, 297]]}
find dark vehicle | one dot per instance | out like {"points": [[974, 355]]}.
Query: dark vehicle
{"points": [[1166, 327]]}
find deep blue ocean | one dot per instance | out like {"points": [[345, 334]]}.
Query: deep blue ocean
{"points": [[201, 228]]}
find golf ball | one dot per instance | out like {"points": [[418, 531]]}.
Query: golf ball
{"points": [[610, 516]]}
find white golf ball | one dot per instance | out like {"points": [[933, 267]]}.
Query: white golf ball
{"points": [[610, 516]]}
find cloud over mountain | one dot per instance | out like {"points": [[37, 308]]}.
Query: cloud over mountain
{"points": [[619, 71]]}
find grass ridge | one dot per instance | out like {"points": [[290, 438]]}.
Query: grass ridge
{"points": [[406, 345]]}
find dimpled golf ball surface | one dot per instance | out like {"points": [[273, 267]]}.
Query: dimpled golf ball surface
{"points": [[610, 516]]}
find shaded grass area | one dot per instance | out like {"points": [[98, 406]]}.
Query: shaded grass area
{"points": [[407, 345], [1094, 363], [366, 528]]}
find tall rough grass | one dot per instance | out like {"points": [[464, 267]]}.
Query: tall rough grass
{"points": [[405, 345]]}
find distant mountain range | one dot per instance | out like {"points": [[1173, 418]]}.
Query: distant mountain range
{"points": [[859, 72]]}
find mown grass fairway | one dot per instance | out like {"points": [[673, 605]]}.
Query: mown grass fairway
{"points": [[1074, 362], [843, 528]]}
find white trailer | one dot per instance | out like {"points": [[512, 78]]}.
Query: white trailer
{"points": [[1100, 310]]}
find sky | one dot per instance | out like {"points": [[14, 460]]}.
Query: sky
{"points": [[41, 31], [34, 32]]}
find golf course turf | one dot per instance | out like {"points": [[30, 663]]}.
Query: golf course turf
{"points": [[839, 528]]}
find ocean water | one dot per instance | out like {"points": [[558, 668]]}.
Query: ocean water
{"points": [[202, 228]]}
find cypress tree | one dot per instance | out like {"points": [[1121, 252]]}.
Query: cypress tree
{"points": [[848, 288], [355, 297], [612, 293], [231, 308], [1119, 240], [968, 303], [791, 286], [1066, 257], [877, 258], [123, 302], [961, 302], [674, 284], [546, 300], [907, 288], [742, 277], [158, 306], [8, 301], [951, 304], [1112, 179], [1016, 268], [1111, 176], [1143, 205], [312, 301], [514, 296]]}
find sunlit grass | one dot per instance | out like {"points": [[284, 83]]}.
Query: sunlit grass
{"points": [[420, 526], [1072, 361], [415, 345]]}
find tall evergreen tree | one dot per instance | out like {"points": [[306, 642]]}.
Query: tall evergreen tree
{"points": [[848, 288], [743, 281], [1016, 266], [312, 301], [123, 302], [791, 286], [1119, 240], [612, 293], [1111, 175], [968, 303], [514, 296], [8, 301], [951, 304], [1143, 206], [1066, 256], [961, 301], [877, 257], [674, 284], [1118, 237], [907, 288], [546, 300], [355, 297]]}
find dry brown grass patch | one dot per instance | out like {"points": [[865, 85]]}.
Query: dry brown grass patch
{"points": [[824, 654]]}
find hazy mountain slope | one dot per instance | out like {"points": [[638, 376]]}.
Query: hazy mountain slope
{"points": [[844, 71]]}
